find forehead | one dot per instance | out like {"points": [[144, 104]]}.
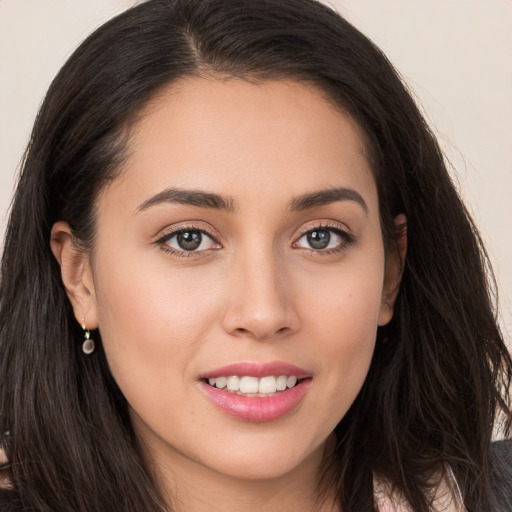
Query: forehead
{"points": [[240, 136]]}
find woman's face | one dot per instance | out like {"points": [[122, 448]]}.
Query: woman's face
{"points": [[241, 244]]}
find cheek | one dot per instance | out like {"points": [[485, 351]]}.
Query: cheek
{"points": [[151, 320], [346, 301], [350, 334], [345, 319]]}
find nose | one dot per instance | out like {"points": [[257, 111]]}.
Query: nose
{"points": [[261, 303]]}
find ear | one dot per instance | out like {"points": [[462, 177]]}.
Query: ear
{"points": [[76, 274], [395, 261]]}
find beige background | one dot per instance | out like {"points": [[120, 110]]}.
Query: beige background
{"points": [[456, 55]]}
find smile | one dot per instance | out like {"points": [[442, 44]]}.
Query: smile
{"points": [[256, 393], [254, 387]]}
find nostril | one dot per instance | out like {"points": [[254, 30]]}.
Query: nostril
{"points": [[242, 331], [284, 331]]}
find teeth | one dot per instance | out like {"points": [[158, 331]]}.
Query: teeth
{"points": [[291, 381], [281, 382], [252, 386], [249, 384], [233, 383], [267, 385], [221, 382]]}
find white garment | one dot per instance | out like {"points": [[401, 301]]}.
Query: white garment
{"points": [[448, 497]]}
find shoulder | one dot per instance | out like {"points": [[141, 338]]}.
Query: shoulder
{"points": [[4, 471], [9, 499], [447, 493], [501, 452], [446, 496], [5, 482]]}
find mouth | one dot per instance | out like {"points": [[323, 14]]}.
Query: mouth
{"points": [[256, 392], [254, 387]]}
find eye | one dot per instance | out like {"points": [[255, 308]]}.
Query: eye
{"points": [[323, 238], [187, 241]]}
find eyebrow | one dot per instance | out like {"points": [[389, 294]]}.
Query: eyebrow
{"points": [[189, 197], [217, 202], [327, 196]]}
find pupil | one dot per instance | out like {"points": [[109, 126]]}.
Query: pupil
{"points": [[319, 239], [189, 240]]}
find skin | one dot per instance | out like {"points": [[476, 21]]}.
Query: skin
{"points": [[256, 291]]}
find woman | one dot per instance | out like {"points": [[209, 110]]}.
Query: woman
{"points": [[237, 275]]}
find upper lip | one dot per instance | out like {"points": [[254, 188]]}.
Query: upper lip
{"points": [[257, 370]]}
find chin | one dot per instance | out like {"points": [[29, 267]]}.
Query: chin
{"points": [[265, 460]]}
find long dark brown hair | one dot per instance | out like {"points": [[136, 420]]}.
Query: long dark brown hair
{"points": [[441, 373]]}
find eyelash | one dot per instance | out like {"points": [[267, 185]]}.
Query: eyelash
{"points": [[346, 237], [166, 237], [333, 228]]}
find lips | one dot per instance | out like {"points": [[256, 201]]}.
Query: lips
{"points": [[258, 370], [256, 392]]}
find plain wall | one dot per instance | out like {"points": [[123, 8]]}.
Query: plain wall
{"points": [[456, 55]]}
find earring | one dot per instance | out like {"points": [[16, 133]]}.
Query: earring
{"points": [[88, 344]]}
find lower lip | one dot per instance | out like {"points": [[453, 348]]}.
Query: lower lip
{"points": [[257, 409]]}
